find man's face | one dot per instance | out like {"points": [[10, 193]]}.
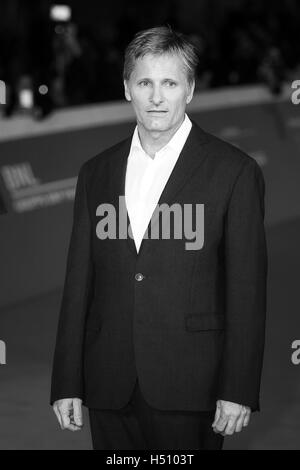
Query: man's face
{"points": [[159, 92]]}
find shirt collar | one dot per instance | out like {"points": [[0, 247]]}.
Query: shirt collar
{"points": [[176, 143]]}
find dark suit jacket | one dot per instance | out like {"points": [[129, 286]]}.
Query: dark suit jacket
{"points": [[193, 329]]}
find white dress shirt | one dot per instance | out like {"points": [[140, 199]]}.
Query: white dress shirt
{"points": [[147, 177]]}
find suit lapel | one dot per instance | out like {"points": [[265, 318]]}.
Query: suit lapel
{"points": [[117, 177], [189, 159]]}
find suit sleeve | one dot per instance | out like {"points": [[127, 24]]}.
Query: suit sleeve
{"points": [[67, 372], [245, 280]]}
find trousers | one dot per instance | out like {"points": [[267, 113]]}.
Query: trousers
{"points": [[138, 426]]}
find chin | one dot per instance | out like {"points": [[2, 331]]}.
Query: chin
{"points": [[157, 126]]}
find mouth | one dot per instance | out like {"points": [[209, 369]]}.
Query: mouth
{"points": [[156, 112]]}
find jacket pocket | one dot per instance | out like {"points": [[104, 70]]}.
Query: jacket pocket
{"points": [[204, 321]]}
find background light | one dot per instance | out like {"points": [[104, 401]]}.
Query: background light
{"points": [[60, 13]]}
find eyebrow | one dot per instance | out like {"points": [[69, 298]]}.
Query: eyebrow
{"points": [[164, 79]]}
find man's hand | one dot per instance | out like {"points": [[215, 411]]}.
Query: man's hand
{"points": [[230, 417], [69, 413]]}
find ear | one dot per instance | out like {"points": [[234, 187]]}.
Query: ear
{"points": [[127, 91], [190, 92]]}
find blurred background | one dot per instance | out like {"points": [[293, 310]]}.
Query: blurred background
{"points": [[61, 102], [54, 56]]}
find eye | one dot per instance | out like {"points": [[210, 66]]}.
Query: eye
{"points": [[144, 83], [170, 83]]}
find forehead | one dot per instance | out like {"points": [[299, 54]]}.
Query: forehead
{"points": [[159, 66]]}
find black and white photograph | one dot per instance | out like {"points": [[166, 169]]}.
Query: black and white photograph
{"points": [[150, 227]]}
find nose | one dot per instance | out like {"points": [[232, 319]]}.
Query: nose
{"points": [[156, 96]]}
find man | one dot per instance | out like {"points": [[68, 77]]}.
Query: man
{"points": [[163, 342]]}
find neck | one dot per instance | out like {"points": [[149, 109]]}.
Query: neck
{"points": [[152, 142]]}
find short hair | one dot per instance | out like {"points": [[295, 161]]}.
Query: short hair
{"points": [[158, 41]]}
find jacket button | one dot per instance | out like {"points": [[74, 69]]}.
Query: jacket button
{"points": [[139, 277]]}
